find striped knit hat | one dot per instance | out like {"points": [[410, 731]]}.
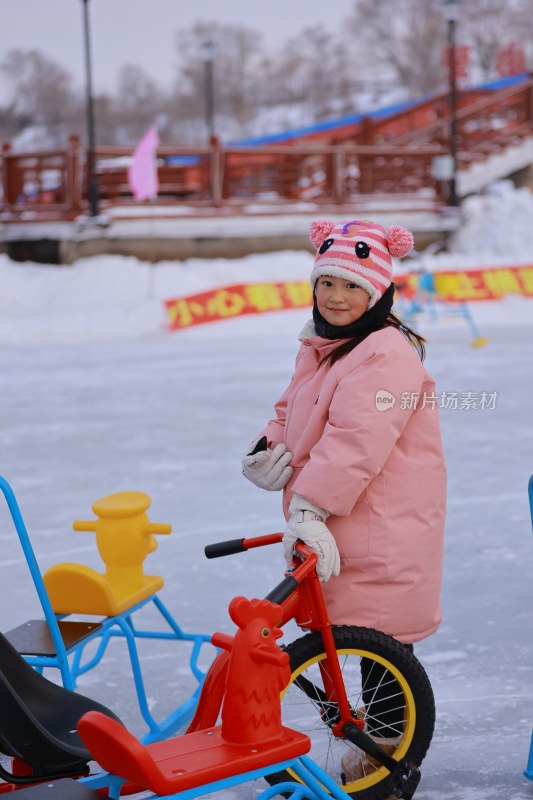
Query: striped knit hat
{"points": [[358, 251]]}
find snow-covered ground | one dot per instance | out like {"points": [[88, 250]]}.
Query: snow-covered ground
{"points": [[98, 398]]}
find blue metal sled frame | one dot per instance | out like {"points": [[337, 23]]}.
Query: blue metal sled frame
{"points": [[68, 659]]}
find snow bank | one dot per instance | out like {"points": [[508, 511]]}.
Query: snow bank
{"points": [[116, 297], [497, 224]]}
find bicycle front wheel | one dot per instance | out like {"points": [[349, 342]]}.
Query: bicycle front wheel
{"points": [[385, 684]]}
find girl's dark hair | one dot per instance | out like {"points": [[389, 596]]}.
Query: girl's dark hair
{"points": [[392, 321]]}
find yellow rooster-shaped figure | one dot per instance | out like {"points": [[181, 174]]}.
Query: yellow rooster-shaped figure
{"points": [[124, 538], [258, 671]]}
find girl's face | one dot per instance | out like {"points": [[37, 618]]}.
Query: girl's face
{"points": [[339, 301]]}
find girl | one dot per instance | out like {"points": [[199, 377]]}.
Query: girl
{"points": [[356, 447]]}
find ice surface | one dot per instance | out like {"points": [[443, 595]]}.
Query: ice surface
{"points": [[96, 398]]}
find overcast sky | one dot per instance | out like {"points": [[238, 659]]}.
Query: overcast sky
{"points": [[129, 31]]}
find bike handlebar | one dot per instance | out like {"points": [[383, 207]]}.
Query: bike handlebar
{"points": [[290, 583], [232, 546], [228, 548]]}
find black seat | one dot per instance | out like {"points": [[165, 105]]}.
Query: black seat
{"points": [[38, 721]]}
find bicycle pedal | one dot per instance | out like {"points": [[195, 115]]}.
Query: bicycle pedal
{"points": [[405, 780]]}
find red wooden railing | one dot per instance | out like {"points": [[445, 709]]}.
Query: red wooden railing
{"points": [[376, 130], [391, 157], [491, 123], [46, 182], [52, 184]]}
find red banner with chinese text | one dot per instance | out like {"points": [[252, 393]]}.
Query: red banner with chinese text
{"points": [[235, 301], [256, 298], [484, 284]]}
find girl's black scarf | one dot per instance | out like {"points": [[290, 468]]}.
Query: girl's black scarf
{"points": [[372, 320]]}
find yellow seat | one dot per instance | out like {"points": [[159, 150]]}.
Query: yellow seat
{"points": [[77, 589], [124, 537]]}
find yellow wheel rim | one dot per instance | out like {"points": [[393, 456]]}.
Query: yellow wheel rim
{"points": [[381, 773]]}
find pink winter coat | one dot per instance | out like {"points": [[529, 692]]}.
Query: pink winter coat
{"points": [[380, 473]]}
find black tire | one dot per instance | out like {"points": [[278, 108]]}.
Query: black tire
{"points": [[417, 705]]}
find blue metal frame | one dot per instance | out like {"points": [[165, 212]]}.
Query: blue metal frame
{"points": [[315, 783], [530, 492], [427, 300], [69, 660], [528, 773]]}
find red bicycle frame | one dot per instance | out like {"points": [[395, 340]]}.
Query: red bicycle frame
{"points": [[300, 597]]}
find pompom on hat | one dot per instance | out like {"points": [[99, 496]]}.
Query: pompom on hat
{"points": [[358, 251]]}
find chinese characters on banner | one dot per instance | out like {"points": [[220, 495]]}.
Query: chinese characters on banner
{"points": [[257, 298], [484, 284], [235, 301]]}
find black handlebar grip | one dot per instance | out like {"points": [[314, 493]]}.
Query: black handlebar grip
{"points": [[283, 590], [228, 548]]}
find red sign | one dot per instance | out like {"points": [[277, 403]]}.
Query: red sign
{"points": [[462, 59], [455, 286], [510, 60], [234, 301], [459, 286], [484, 284]]}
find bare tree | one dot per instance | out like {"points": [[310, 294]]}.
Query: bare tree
{"points": [[237, 53], [318, 74], [106, 130], [488, 25], [139, 104], [315, 70], [408, 36], [41, 90]]}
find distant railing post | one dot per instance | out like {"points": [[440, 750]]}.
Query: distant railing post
{"points": [[529, 102], [6, 147], [366, 177], [13, 181], [367, 131], [339, 174], [216, 172], [73, 189]]}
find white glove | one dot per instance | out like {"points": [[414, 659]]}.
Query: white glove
{"points": [[306, 522], [268, 469]]}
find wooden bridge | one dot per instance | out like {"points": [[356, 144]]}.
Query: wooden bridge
{"points": [[361, 164], [348, 164]]}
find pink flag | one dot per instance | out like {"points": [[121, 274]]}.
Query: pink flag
{"points": [[142, 172]]}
